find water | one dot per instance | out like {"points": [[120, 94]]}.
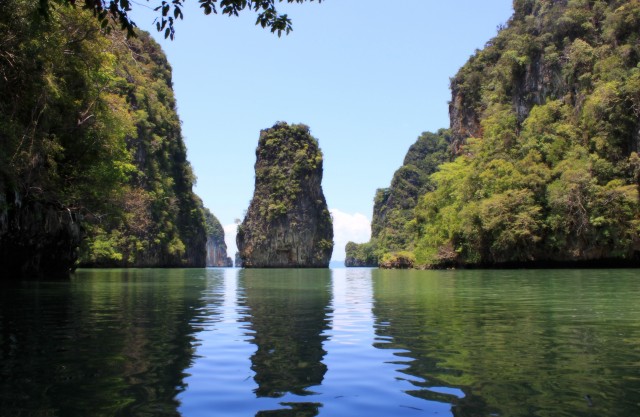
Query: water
{"points": [[340, 342]]}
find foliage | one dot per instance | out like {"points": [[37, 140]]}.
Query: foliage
{"points": [[286, 157], [63, 125], [398, 260], [213, 227], [545, 129], [392, 228], [549, 176], [89, 126], [288, 222], [117, 11], [162, 222], [361, 254], [62, 118]]}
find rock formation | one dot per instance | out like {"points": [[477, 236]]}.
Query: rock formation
{"points": [[543, 167], [360, 255], [288, 224], [394, 206], [37, 240], [163, 223], [217, 254], [216, 246], [100, 176]]}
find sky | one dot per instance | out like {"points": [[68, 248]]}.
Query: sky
{"points": [[367, 76]]}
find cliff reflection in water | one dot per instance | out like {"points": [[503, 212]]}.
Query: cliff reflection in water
{"points": [[302, 343], [415, 312], [107, 343], [287, 318], [515, 343]]}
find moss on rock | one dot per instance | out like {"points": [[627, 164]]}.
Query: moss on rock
{"points": [[288, 223]]}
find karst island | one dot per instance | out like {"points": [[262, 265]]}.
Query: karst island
{"points": [[288, 224], [492, 272]]}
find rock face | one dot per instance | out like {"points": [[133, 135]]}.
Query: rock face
{"points": [[535, 115], [216, 247], [217, 254], [288, 224], [93, 167], [360, 255], [394, 206], [162, 223], [543, 167], [38, 240]]}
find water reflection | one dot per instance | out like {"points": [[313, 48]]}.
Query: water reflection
{"points": [[515, 343], [286, 318], [304, 343], [107, 343]]}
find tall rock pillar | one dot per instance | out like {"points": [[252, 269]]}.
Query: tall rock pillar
{"points": [[288, 224]]}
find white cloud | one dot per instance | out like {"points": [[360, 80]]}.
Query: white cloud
{"points": [[348, 227]]}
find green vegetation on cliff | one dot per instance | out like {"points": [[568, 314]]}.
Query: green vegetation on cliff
{"points": [[393, 226], [214, 228], [90, 143], [552, 173], [162, 223], [62, 128], [545, 122], [288, 223]]}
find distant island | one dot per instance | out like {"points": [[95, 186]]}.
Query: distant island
{"points": [[216, 247]]}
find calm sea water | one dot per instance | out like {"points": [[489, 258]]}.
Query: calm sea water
{"points": [[340, 342]]}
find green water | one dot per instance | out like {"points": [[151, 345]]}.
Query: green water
{"points": [[340, 342]]}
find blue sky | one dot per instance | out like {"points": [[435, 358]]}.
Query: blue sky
{"points": [[367, 76]]}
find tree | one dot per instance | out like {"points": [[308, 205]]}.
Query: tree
{"points": [[170, 11], [63, 126]]}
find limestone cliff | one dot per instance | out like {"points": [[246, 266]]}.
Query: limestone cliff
{"points": [[161, 223], [545, 129], [216, 246], [92, 161], [37, 239], [546, 120], [288, 224], [394, 206], [217, 254]]}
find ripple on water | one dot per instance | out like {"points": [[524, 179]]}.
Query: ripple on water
{"points": [[339, 343]]}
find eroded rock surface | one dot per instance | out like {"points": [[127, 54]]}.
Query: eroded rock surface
{"points": [[288, 224]]}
